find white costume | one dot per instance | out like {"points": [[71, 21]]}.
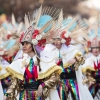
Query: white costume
{"points": [[18, 68], [50, 55], [5, 64], [1, 92], [48, 67], [90, 68]]}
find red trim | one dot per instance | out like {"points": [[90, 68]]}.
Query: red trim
{"points": [[8, 36], [68, 40], [28, 73], [36, 32], [95, 67], [35, 72]]}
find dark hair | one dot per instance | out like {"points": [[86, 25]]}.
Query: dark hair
{"points": [[95, 47], [38, 60]]}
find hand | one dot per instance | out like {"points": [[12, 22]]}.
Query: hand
{"points": [[39, 91], [72, 61]]}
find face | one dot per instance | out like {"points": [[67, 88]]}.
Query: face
{"points": [[27, 47], [57, 43], [95, 51]]}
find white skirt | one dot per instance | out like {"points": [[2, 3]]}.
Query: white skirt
{"points": [[1, 92], [53, 95]]}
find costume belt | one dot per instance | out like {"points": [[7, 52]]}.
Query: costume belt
{"points": [[97, 78], [70, 75], [5, 86], [31, 86]]}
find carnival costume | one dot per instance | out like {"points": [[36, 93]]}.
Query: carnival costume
{"points": [[61, 57], [10, 51], [90, 69], [28, 70]]}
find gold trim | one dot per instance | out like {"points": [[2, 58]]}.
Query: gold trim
{"points": [[0, 68], [84, 70], [67, 65], [4, 75], [51, 70], [78, 54], [14, 73]]}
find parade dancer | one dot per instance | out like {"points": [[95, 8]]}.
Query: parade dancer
{"points": [[27, 69], [91, 67], [66, 56], [9, 51]]}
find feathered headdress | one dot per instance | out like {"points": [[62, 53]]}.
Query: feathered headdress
{"points": [[13, 29], [92, 38], [10, 46], [39, 27], [68, 29]]}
